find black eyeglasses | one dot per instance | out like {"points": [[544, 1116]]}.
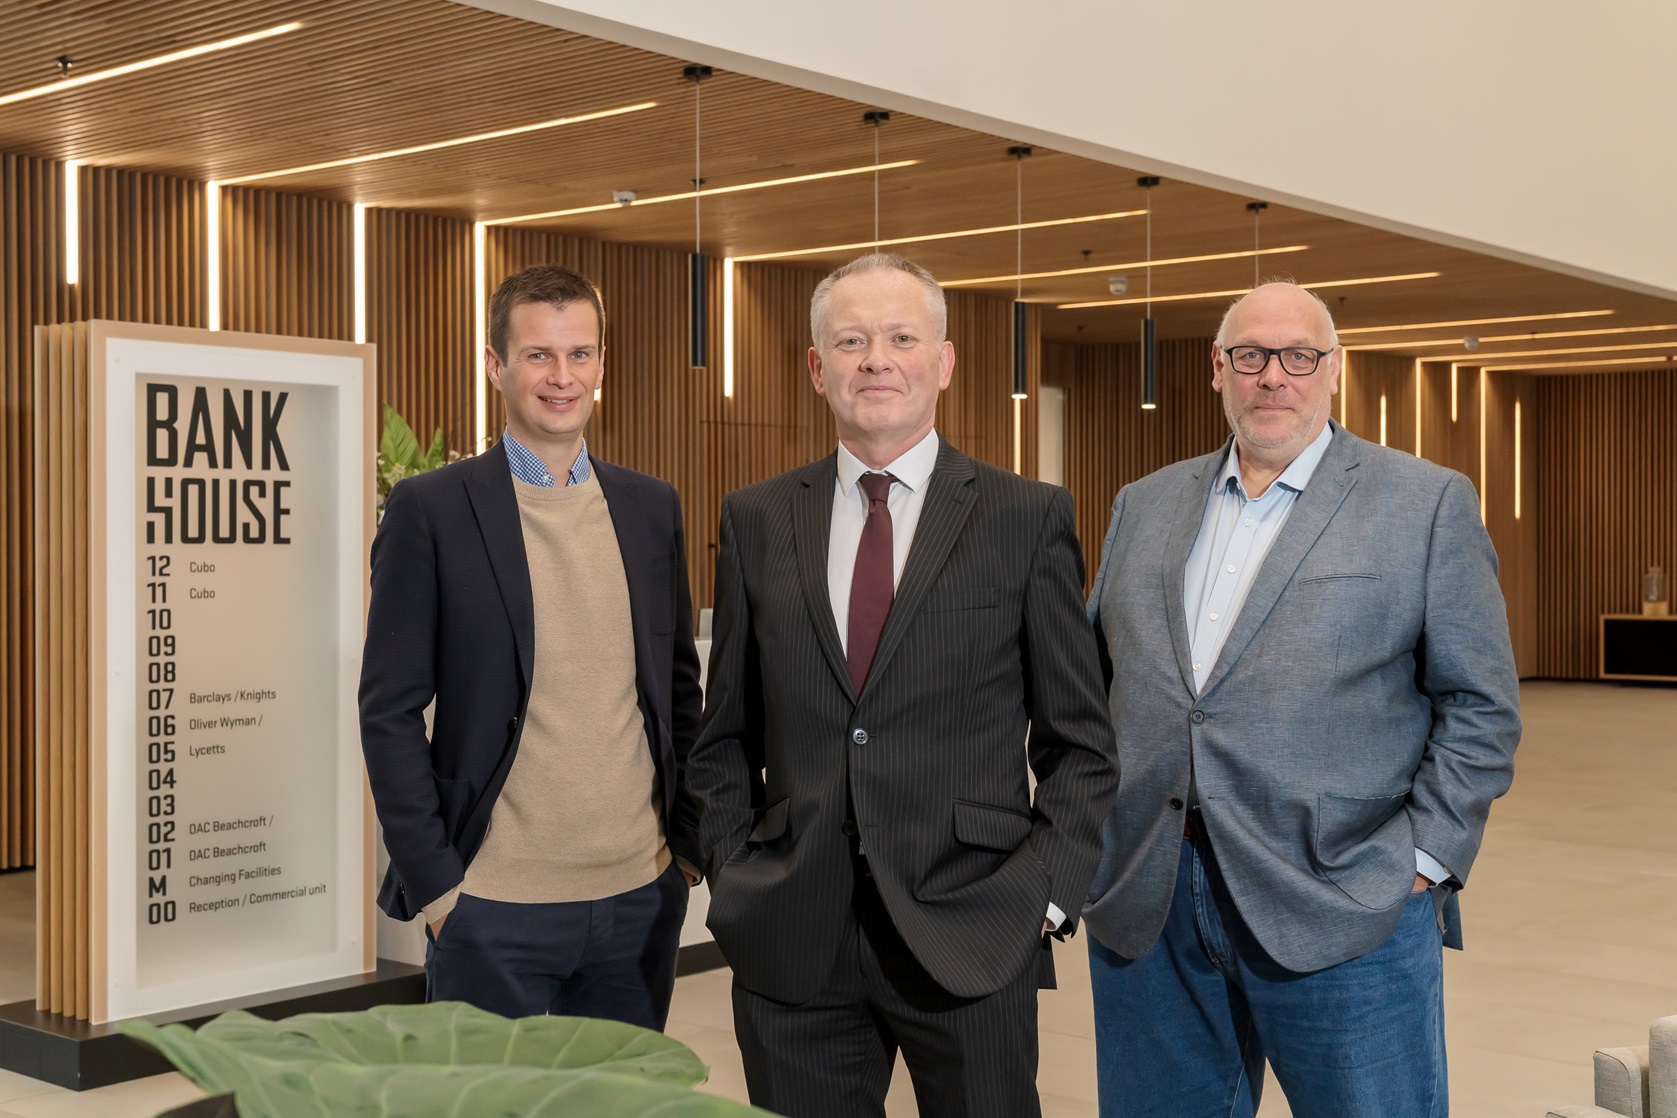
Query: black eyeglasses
{"points": [[1296, 360]]}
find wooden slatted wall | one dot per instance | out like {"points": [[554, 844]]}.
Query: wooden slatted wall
{"points": [[1606, 495], [419, 315], [1110, 440], [1371, 377], [288, 265]]}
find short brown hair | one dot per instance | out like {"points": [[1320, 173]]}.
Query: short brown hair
{"points": [[544, 283]]}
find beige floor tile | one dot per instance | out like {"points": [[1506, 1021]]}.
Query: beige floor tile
{"points": [[141, 1098]]}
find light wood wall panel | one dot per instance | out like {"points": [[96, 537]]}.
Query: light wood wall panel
{"points": [[1510, 516], [1110, 440], [289, 265], [1370, 378], [419, 315], [1606, 497]]}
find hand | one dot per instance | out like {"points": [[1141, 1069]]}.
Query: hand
{"points": [[437, 927], [1422, 883], [1047, 926]]}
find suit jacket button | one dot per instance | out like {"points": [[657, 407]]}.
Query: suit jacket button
{"points": [[1197, 717], [1175, 804], [859, 736], [849, 828]]}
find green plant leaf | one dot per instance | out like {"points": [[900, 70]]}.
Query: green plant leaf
{"points": [[454, 1033], [438, 454], [398, 445]]}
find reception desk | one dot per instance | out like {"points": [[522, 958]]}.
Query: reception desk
{"points": [[1635, 646]]}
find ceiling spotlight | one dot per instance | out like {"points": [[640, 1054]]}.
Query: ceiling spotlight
{"points": [[623, 197], [1470, 342], [1118, 284]]}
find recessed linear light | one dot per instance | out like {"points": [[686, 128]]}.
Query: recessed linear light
{"points": [[1128, 264], [1479, 359], [687, 195], [145, 64], [939, 236], [1621, 362], [440, 144], [1526, 337], [1238, 291], [1470, 322]]}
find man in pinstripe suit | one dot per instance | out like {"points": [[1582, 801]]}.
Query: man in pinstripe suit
{"points": [[890, 621]]}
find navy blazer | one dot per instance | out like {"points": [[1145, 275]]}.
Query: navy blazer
{"points": [[452, 618]]}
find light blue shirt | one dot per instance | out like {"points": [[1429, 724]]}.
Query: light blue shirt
{"points": [[1235, 537], [529, 469]]}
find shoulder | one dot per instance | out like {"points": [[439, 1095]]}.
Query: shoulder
{"points": [[438, 484], [640, 486], [771, 493], [1010, 488], [1401, 475]]}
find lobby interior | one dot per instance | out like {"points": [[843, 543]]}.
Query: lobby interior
{"points": [[365, 170]]}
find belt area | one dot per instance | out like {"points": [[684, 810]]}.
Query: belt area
{"points": [[1193, 826]]}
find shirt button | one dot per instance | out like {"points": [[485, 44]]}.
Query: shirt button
{"points": [[1196, 667], [1197, 717], [1249, 522], [1231, 569], [859, 736], [1214, 617]]}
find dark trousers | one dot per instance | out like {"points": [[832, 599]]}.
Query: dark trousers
{"points": [[612, 958], [832, 1056], [1183, 1031]]}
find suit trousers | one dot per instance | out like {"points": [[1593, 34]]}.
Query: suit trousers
{"points": [[832, 1056], [1183, 1031], [611, 958]]}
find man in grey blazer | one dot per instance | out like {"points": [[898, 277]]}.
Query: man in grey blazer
{"points": [[889, 622], [1315, 698]]}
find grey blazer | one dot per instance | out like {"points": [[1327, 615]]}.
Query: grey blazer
{"points": [[987, 635], [1366, 704]]}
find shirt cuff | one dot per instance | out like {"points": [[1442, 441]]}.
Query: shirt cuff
{"points": [[1431, 868], [1055, 917], [442, 906], [694, 873]]}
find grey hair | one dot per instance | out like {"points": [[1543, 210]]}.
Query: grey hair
{"points": [[1284, 281], [868, 263]]}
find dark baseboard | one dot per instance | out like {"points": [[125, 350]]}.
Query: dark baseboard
{"points": [[696, 958], [77, 1055]]}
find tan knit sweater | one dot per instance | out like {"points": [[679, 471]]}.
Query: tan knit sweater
{"points": [[577, 819]]}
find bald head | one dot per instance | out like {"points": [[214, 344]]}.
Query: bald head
{"points": [[1280, 296]]}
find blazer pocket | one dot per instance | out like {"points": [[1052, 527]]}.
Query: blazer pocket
{"points": [[1366, 846], [771, 822], [961, 597], [990, 828], [1338, 578]]}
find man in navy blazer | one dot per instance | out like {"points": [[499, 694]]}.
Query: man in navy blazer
{"points": [[540, 825]]}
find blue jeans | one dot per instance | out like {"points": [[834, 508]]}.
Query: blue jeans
{"points": [[1183, 1031], [613, 958]]}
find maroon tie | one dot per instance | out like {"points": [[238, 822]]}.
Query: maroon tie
{"points": [[871, 586]]}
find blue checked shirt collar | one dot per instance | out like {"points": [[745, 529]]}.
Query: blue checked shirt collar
{"points": [[529, 469]]}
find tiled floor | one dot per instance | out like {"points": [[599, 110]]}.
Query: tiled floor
{"points": [[1571, 925]]}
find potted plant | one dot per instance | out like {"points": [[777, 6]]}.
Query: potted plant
{"points": [[399, 455]]}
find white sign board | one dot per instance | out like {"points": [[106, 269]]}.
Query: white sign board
{"points": [[235, 846]]}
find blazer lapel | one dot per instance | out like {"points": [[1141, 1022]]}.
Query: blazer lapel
{"points": [[1184, 530], [1321, 498], [812, 523], [949, 499], [639, 561], [495, 505]]}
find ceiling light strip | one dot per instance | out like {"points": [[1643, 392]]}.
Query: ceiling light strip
{"points": [[441, 144], [1604, 332], [687, 195], [949, 236], [1470, 322], [146, 64], [1234, 293], [1129, 264], [1481, 358], [1621, 362]]}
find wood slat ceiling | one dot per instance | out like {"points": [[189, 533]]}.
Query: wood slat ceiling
{"points": [[364, 76]]}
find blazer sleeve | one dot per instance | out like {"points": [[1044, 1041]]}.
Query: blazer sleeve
{"points": [[1072, 748], [398, 681], [686, 702], [1465, 667], [724, 768], [1093, 608]]}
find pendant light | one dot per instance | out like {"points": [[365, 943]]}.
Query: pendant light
{"points": [[1020, 356], [698, 318], [1149, 346], [1256, 209], [876, 117]]}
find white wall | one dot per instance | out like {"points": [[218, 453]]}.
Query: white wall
{"points": [[1539, 130]]}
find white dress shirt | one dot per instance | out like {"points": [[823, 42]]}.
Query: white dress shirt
{"points": [[913, 471]]}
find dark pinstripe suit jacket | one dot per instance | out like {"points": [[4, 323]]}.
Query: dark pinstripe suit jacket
{"points": [[986, 639]]}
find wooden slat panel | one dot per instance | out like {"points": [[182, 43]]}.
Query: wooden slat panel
{"points": [[289, 265], [1606, 500], [419, 308], [1372, 376]]}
